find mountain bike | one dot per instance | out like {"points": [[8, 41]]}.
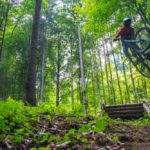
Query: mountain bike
{"points": [[139, 55]]}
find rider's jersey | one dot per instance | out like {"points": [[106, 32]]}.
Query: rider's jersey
{"points": [[125, 33]]}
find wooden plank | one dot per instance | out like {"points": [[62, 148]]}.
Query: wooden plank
{"points": [[126, 105], [125, 112], [127, 116], [125, 108]]}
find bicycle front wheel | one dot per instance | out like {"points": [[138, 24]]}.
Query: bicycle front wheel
{"points": [[143, 38]]}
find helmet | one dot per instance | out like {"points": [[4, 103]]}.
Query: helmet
{"points": [[127, 19]]}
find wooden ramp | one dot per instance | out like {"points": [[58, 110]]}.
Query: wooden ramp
{"points": [[128, 111]]}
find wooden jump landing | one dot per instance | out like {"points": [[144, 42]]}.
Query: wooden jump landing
{"points": [[127, 111]]}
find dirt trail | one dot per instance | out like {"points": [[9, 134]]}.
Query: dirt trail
{"points": [[133, 137], [137, 146]]}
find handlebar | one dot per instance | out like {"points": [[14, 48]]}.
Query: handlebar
{"points": [[132, 41]]}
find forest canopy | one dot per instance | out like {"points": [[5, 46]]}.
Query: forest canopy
{"points": [[76, 61]]}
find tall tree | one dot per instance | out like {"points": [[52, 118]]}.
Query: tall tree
{"points": [[43, 61], [31, 76], [58, 75], [133, 84], [125, 78], [82, 71], [116, 70], [102, 76], [3, 23], [72, 80]]}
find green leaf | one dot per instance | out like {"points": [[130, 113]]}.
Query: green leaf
{"points": [[100, 126]]}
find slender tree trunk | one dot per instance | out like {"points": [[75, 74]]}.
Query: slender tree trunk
{"points": [[31, 76], [43, 63], [79, 94], [93, 88], [82, 71], [118, 80], [107, 76], [72, 81], [133, 84], [102, 76], [58, 75], [79, 88], [125, 77], [138, 90], [99, 89], [71, 53], [145, 88], [4, 28], [93, 78], [97, 77], [116, 69], [141, 12], [111, 78]]}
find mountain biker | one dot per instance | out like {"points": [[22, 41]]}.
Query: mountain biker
{"points": [[126, 33]]}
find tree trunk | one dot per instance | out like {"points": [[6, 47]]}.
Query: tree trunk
{"points": [[93, 74], [133, 84], [106, 71], [82, 71], [58, 75], [111, 79], [4, 28], [125, 77], [141, 12], [72, 81], [31, 76], [116, 69], [145, 88], [43, 63], [102, 76]]}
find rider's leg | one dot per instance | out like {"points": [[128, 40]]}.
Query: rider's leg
{"points": [[134, 48], [125, 49]]}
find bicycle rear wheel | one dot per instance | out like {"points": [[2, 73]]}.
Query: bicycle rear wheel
{"points": [[143, 36]]}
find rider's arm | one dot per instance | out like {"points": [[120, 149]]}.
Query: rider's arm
{"points": [[118, 34]]}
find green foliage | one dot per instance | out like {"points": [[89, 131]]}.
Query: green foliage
{"points": [[54, 139], [16, 139], [140, 122], [115, 139], [100, 126], [17, 118], [22, 122], [2, 137], [59, 22], [85, 128]]}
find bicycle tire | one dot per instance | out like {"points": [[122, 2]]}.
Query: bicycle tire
{"points": [[143, 70], [142, 64], [143, 47]]}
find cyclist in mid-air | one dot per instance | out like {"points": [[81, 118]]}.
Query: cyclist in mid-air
{"points": [[126, 33]]}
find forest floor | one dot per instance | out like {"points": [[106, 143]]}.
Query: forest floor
{"points": [[38, 128], [131, 136], [71, 133]]}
